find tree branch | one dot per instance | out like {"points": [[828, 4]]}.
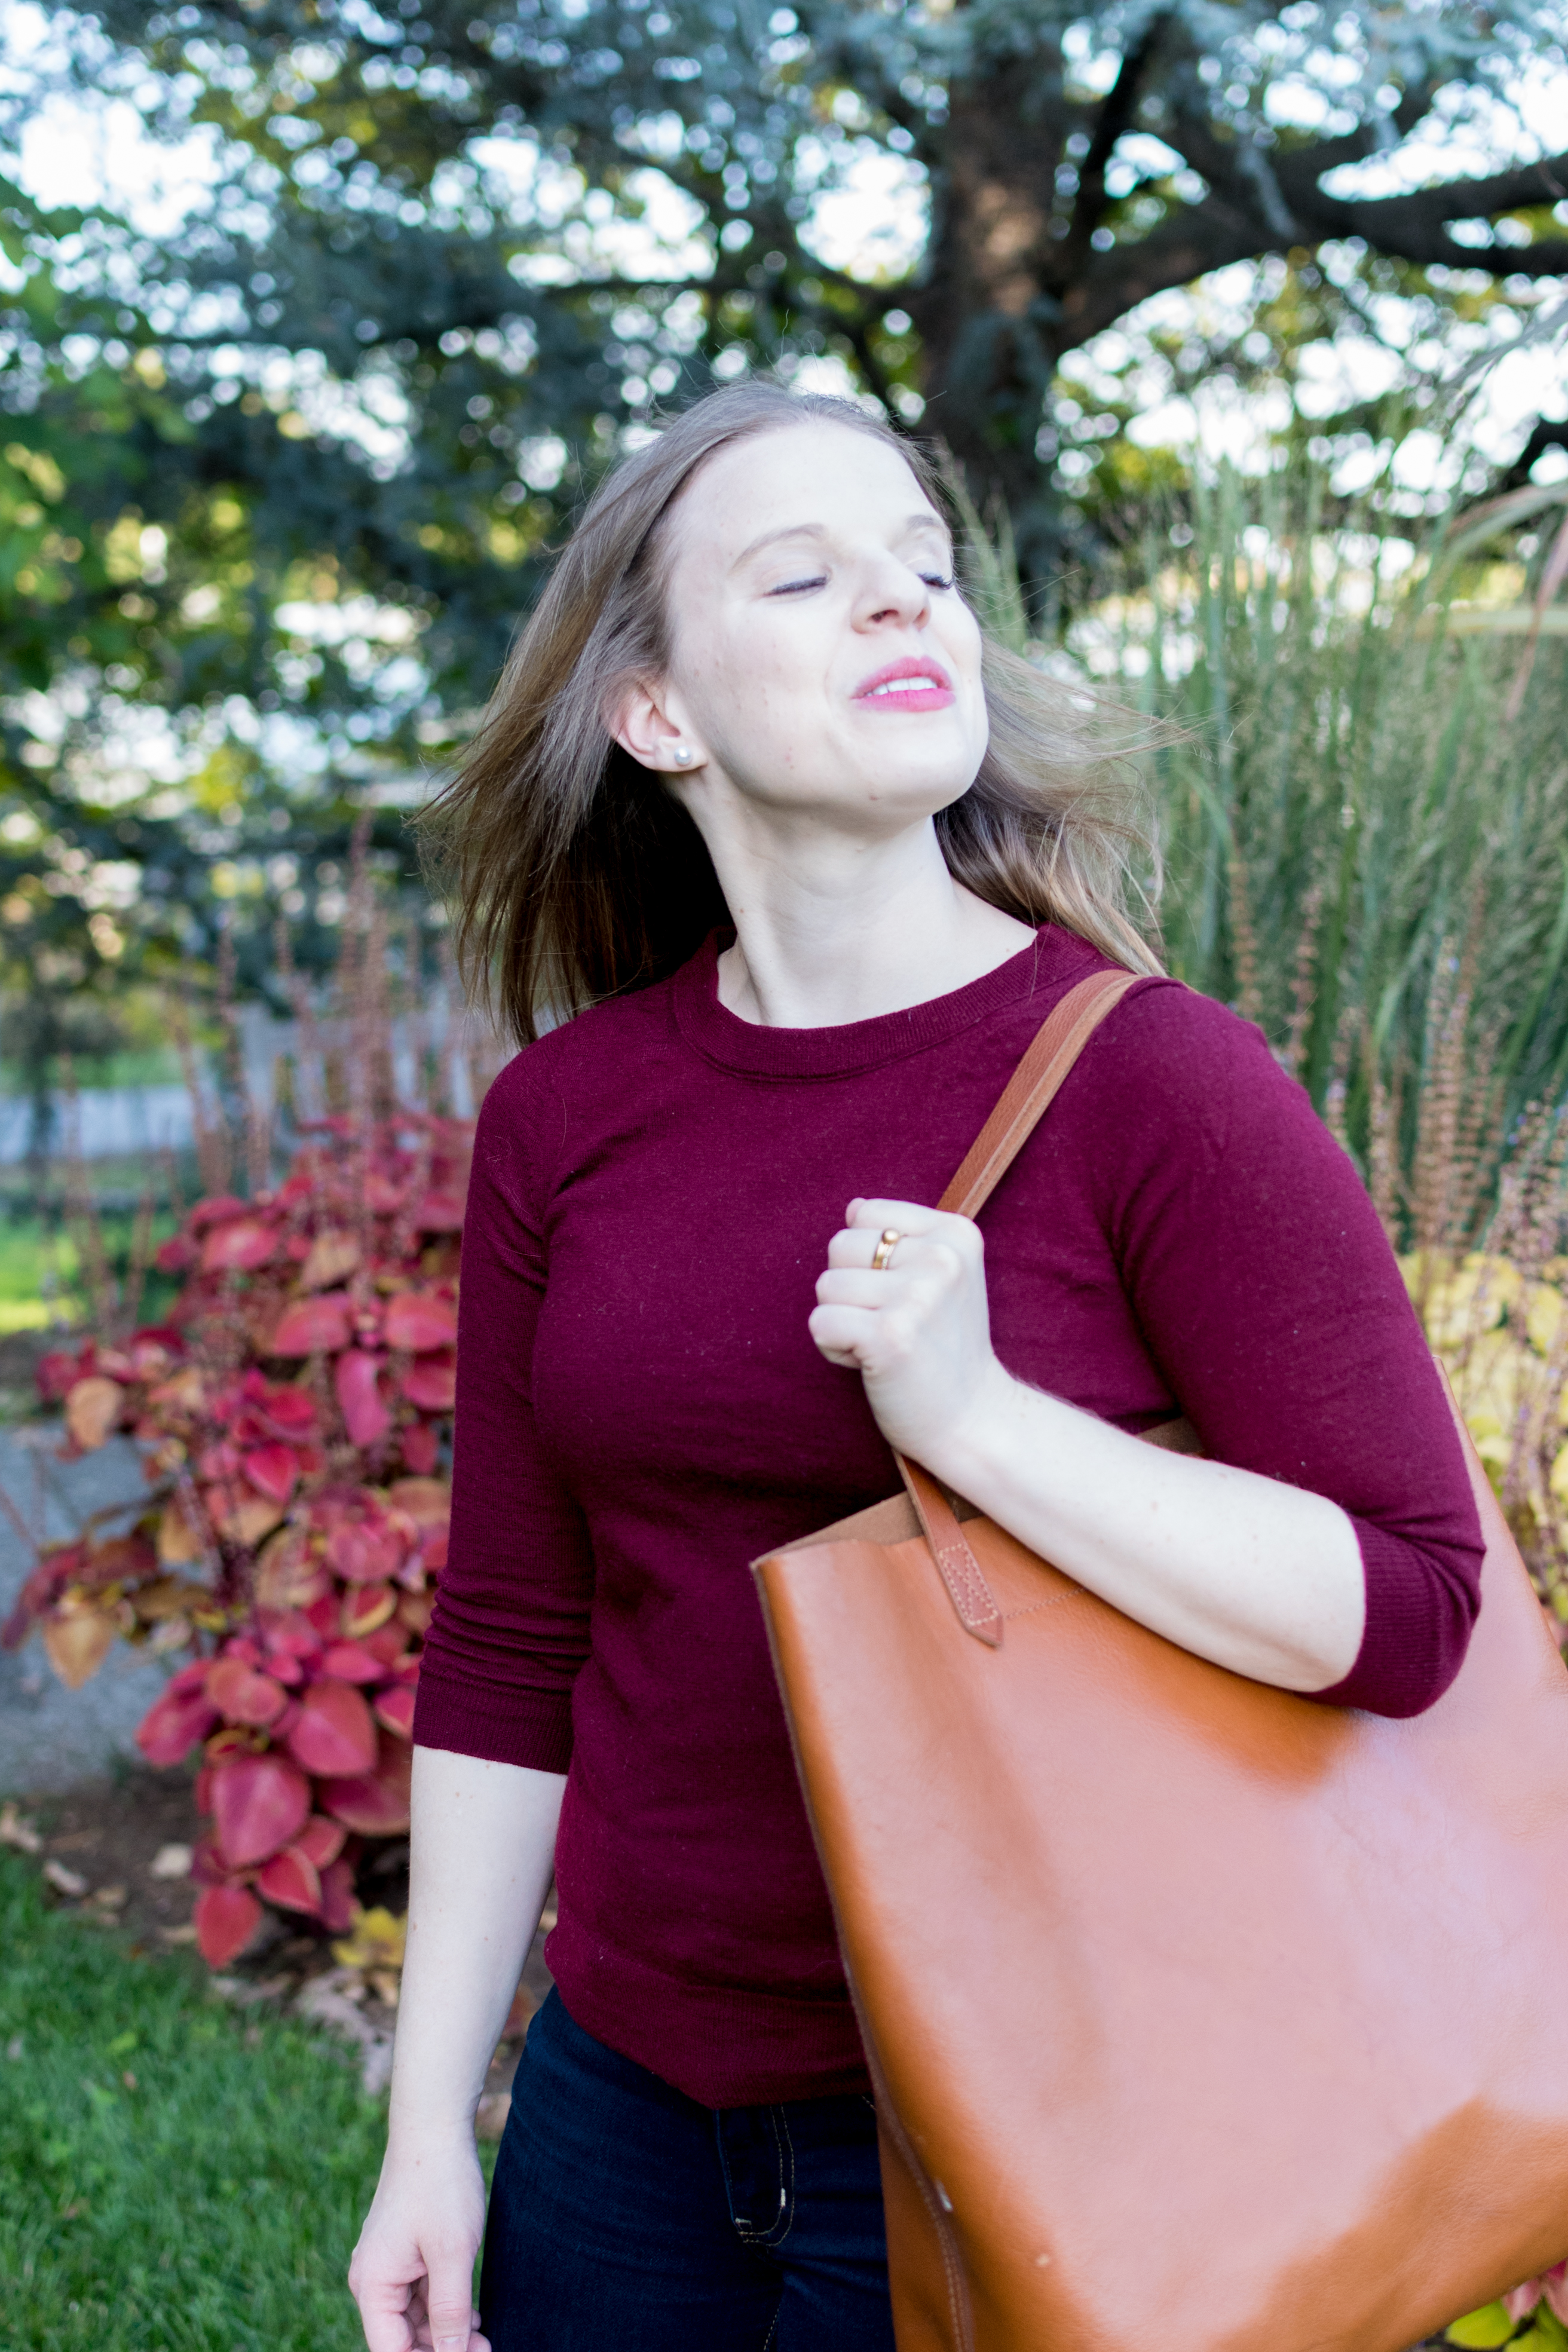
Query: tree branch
{"points": [[1116, 116], [1546, 433], [1407, 227], [1415, 227], [1198, 240]]}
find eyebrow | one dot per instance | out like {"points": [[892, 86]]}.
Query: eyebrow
{"points": [[925, 520]]}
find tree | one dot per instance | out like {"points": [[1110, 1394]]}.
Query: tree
{"points": [[1077, 162], [284, 481], [138, 608]]}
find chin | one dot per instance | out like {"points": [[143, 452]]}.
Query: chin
{"points": [[916, 791]]}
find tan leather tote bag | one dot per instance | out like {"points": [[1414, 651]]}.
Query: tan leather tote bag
{"points": [[1203, 2019]]}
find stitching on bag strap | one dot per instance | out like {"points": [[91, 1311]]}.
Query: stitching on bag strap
{"points": [[960, 1572], [1052, 1601]]}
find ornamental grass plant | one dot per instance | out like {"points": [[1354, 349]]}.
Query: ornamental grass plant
{"points": [[1364, 826], [1371, 783]]}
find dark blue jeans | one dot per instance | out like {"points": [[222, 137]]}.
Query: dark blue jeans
{"points": [[625, 2217]]}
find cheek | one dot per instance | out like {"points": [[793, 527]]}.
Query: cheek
{"points": [[750, 676], [965, 643]]}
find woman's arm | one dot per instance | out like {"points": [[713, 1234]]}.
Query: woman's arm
{"points": [[1260, 1577], [482, 1847], [1253, 1269]]}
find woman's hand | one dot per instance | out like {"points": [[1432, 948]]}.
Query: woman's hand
{"points": [[1260, 1577], [412, 2272], [482, 1845], [919, 1331]]}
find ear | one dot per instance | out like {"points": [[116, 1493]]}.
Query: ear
{"points": [[642, 725]]}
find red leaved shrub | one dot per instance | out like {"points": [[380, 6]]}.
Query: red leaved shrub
{"points": [[292, 1412]]}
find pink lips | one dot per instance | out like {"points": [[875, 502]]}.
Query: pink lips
{"points": [[906, 685]]}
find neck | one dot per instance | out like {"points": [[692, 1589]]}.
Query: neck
{"points": [[830, 931]]}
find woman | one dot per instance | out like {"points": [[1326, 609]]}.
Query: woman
{"points": [[818, 862]]}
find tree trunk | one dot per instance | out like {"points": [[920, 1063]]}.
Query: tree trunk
{"points": [[986, 318]]}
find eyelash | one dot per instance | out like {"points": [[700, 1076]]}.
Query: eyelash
{"points": [[794, 587]]}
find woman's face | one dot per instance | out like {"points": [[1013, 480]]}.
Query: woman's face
{"points": [[821, 657]]}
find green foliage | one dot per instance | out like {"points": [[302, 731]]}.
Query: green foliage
{"points": [[1481, 2330], [211, 2205], [455, 191], [144, 811], [1353, 812], [274, 491]]}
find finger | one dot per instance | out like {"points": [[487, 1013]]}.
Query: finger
{"points": [[449, 2301], [848, 1286], [904, 1216], [856, 1245], [859, 1248], [844, 1334], [385, 2318]]}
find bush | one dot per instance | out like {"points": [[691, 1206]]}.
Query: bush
{"points": [[293, 1413]]}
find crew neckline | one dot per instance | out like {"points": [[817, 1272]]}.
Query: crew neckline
{"points": [[1053, 958]]}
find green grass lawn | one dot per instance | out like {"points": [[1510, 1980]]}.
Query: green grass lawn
{"points": [[210, 2208], [29, 1251]]}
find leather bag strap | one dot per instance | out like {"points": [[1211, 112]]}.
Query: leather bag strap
{"points": [[1028, 1096]]}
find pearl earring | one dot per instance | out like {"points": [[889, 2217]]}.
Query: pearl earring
{"points": [[681, 755]]}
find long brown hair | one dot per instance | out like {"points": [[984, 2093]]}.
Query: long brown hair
{"points": [[575, 876]]}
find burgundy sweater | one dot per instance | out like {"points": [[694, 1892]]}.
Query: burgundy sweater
{"points": [[641, 1413]]}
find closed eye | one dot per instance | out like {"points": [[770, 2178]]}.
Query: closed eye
{"points": [[818, 580]]}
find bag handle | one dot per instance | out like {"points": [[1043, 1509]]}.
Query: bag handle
{"points": [[1028, 1096]]}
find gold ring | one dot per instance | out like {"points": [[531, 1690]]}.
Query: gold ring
{"points": [[884, 1250]]}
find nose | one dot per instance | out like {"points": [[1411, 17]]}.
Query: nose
{"points": [[894, 594]]}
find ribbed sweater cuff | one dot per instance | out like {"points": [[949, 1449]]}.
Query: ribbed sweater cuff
{"points": [[1417, 1624], [532, 1728]]}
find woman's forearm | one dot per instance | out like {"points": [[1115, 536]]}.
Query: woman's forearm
{"points": [[1260, 1577], [482, 1848]]}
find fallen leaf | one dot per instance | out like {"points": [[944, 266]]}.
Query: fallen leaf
{"points": [[185, 1935], [186, 1392], [377, 1941], [63, 1880], [244, 1992], [171, 1861], [16, 1832], [92, 1409], [109, 1899], [326, 2000]]}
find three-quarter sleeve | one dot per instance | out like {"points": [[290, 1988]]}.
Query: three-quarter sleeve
{"points": [[510, 1625], [1267, 1291]]}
